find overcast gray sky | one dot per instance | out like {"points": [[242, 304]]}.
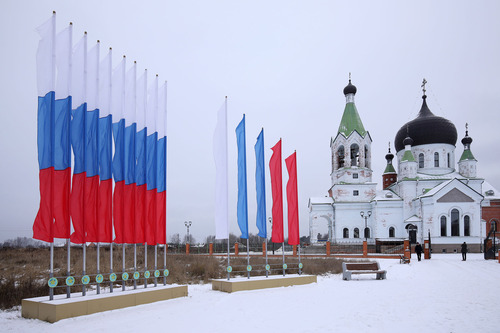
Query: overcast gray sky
{"points": [[282, 63]]}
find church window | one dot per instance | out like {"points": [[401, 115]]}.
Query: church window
{"points": [[466, 225], [436, 160], [367, 232], [449, 161], [391, 232], [356, 233], [355, 176], [421, 160], [346, 233], [354, 155], [443, 225], [341, 156], [355, 193], [455, 226], [493, 225], [367, 159]]}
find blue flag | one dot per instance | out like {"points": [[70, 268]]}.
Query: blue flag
{"points": [[260, 181], [242, 210]]}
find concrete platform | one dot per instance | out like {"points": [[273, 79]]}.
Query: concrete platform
{"points": [[261, 282], [78, 305]]}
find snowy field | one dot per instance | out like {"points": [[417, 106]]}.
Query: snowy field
{"points": [[443, 294]]}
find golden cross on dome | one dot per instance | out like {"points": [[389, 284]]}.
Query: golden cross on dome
{"points": [[423, 85]]}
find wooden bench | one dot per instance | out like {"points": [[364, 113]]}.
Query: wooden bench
{"points": [[362, 268]]}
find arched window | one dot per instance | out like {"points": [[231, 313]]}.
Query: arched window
{"points": [[466, 225], [455, 225], [493, 225], [367, 158], [443, 225], [420, 160], [367, 232], [391, 232], [346, 233], [354, 155], [436, 160], [449, 160], [356, 233], [341, 156]]}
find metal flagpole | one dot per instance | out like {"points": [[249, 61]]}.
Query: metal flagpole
{"points": [[98, 263], [135, 264], [111, 265], [248, 258], [283, 250], [164, 263], [51, 271], [145, 264], [267, 272], [156, 264], [123, 265], [228, 260], [300, 270], [84, 292], [68, 267]]}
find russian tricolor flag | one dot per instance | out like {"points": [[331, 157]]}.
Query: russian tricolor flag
{"points": [[140, 156], [151, 163], [161, 169]]}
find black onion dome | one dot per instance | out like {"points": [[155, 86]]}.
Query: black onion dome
{"points": [[350, 89], [427, 128], [389, 156], [467, 140], [407, 141]]}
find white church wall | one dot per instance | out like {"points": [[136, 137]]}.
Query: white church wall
{"points": [[388, 214], [320, 220], [428, 151], [347, 215], [354, 193]]}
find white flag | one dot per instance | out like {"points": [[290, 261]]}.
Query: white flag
{"points": [[221, 178]]}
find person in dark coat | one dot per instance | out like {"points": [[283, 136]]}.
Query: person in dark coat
{"points": [[464, 251], [418, 250]]}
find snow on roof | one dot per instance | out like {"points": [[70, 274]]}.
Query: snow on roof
{"points": [[489, 192], [320, 200], [386, 195]]}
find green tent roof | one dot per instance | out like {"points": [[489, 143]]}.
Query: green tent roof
{"points": [[467, 155], [389, 169], [408, 157], [351, 121]]}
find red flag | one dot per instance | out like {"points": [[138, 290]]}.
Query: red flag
{"points": [[76, 208], [118, 211], [90, 207], [129, 213], [292, 200], [277, 191], [161, 217], [42, 228], [105, 214], [140, 214], [151, 217], [62, 185]]}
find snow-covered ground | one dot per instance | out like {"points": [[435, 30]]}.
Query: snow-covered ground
{"points": [[443, 294]]}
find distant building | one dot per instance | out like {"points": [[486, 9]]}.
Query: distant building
{"points": [[427, 195]]}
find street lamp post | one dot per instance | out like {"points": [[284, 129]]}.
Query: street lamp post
{"points": [[188, 224], [365, 216], [270, 219]]}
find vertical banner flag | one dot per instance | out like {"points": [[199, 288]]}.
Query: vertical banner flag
{"points": [[242, 208], [221, 177], [62, 144], [79, 111], [104, 141], [292, 200], [91, 136], [129, 155], [260, 184], [117, 111], [277, 191], [161, 169], [45, 63], [151, 157], [140, 156]]}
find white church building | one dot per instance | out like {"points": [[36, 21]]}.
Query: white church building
{"points": [[430, 194]]}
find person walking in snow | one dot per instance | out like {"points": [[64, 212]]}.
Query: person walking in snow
{"points": [[418, 250], [464, 251]]}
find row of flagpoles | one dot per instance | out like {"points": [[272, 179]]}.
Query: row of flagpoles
{"points": [[115, 126], [221, 190]]}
